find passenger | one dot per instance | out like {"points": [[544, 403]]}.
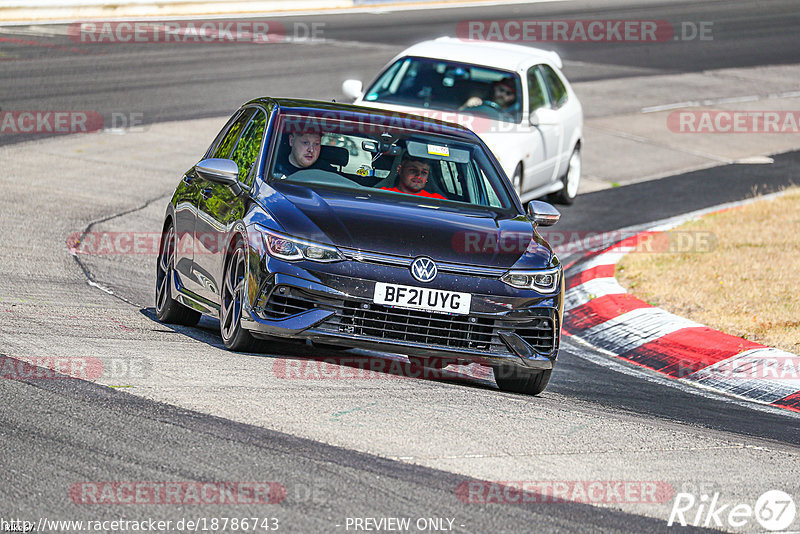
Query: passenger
{"points": [[412, 175], [304, 154], [504, 97]]}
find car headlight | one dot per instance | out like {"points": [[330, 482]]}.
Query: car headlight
{"points": [[288, 248], [542, 281]]}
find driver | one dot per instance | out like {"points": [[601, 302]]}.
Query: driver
{"points": [[304, 154], [504, 96], [412, 175]]}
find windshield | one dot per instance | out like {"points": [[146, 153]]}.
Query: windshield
{"points": [[450, 86], [394, 161]]}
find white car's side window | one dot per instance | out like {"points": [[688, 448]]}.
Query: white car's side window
{"points": [[556, 87], [537, 94]]}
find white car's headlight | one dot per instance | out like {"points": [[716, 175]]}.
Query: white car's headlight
{"points": [[543, 281], [284, 247]]}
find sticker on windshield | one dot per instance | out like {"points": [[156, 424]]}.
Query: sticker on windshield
{"points": [[437, 150]]}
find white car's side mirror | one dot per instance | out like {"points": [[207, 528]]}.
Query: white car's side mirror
{"points": [[353, 89], [544, 117]]}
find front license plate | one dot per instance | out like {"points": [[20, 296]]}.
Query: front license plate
{"points": [[422, 298]]}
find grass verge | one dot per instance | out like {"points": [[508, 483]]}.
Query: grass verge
{"points": [[737, 271]]}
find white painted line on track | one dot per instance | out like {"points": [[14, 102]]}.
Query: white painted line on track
{"points": [[719, 101]]}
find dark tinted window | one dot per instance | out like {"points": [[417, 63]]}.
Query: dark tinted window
{"points": [[247, 149], [226, 145], [555, 85]]}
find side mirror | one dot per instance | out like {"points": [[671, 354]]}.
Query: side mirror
{"points": [[542, 213], [221, 171], [543, 117], [353, 89]]}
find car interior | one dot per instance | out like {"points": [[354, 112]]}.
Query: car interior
{"points": [[437, 84], [362, 160]]}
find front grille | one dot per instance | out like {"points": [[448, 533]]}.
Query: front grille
{"points": [[383, 322], [375, 321]]}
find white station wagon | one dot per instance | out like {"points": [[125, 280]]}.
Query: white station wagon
{"points": [[514, 97]]}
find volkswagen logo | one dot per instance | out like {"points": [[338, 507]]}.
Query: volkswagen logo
{"points": [[424, 269]]}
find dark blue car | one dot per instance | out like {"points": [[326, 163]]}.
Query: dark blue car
{"points": [[354, 227]]}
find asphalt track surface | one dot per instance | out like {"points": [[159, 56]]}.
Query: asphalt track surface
{"points": [[163, 82], [56, 432]]}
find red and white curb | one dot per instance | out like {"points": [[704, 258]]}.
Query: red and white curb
{"points": [[600, 312]]}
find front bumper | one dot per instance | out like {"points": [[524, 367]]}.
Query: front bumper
{"points": [[505, 326]]}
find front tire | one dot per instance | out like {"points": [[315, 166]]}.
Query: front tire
{"points": [[516, 380], [169, 310], [234, 336], [571, 180]]}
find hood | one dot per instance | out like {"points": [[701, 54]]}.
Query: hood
{"points": [[390, 224]]}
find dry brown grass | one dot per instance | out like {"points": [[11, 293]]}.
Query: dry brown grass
{"points": [[748, 285]]}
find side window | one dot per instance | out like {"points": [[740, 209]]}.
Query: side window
{"points": [[555, 85], [218, 139], [226, 145], [450, 178], [537, 94], [247, 149], [491, 194]]}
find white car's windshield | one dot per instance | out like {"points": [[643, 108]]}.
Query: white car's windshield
{"points": [[450, 86], [373, 156]]}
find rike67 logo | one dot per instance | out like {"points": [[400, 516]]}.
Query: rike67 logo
{"points": [[774, 510]]}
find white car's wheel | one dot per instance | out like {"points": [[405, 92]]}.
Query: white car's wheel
{"points": [[571, 179]]}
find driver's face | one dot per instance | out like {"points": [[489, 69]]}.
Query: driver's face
{"points": [[413, 175], [305, 149], [504, 95]]}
